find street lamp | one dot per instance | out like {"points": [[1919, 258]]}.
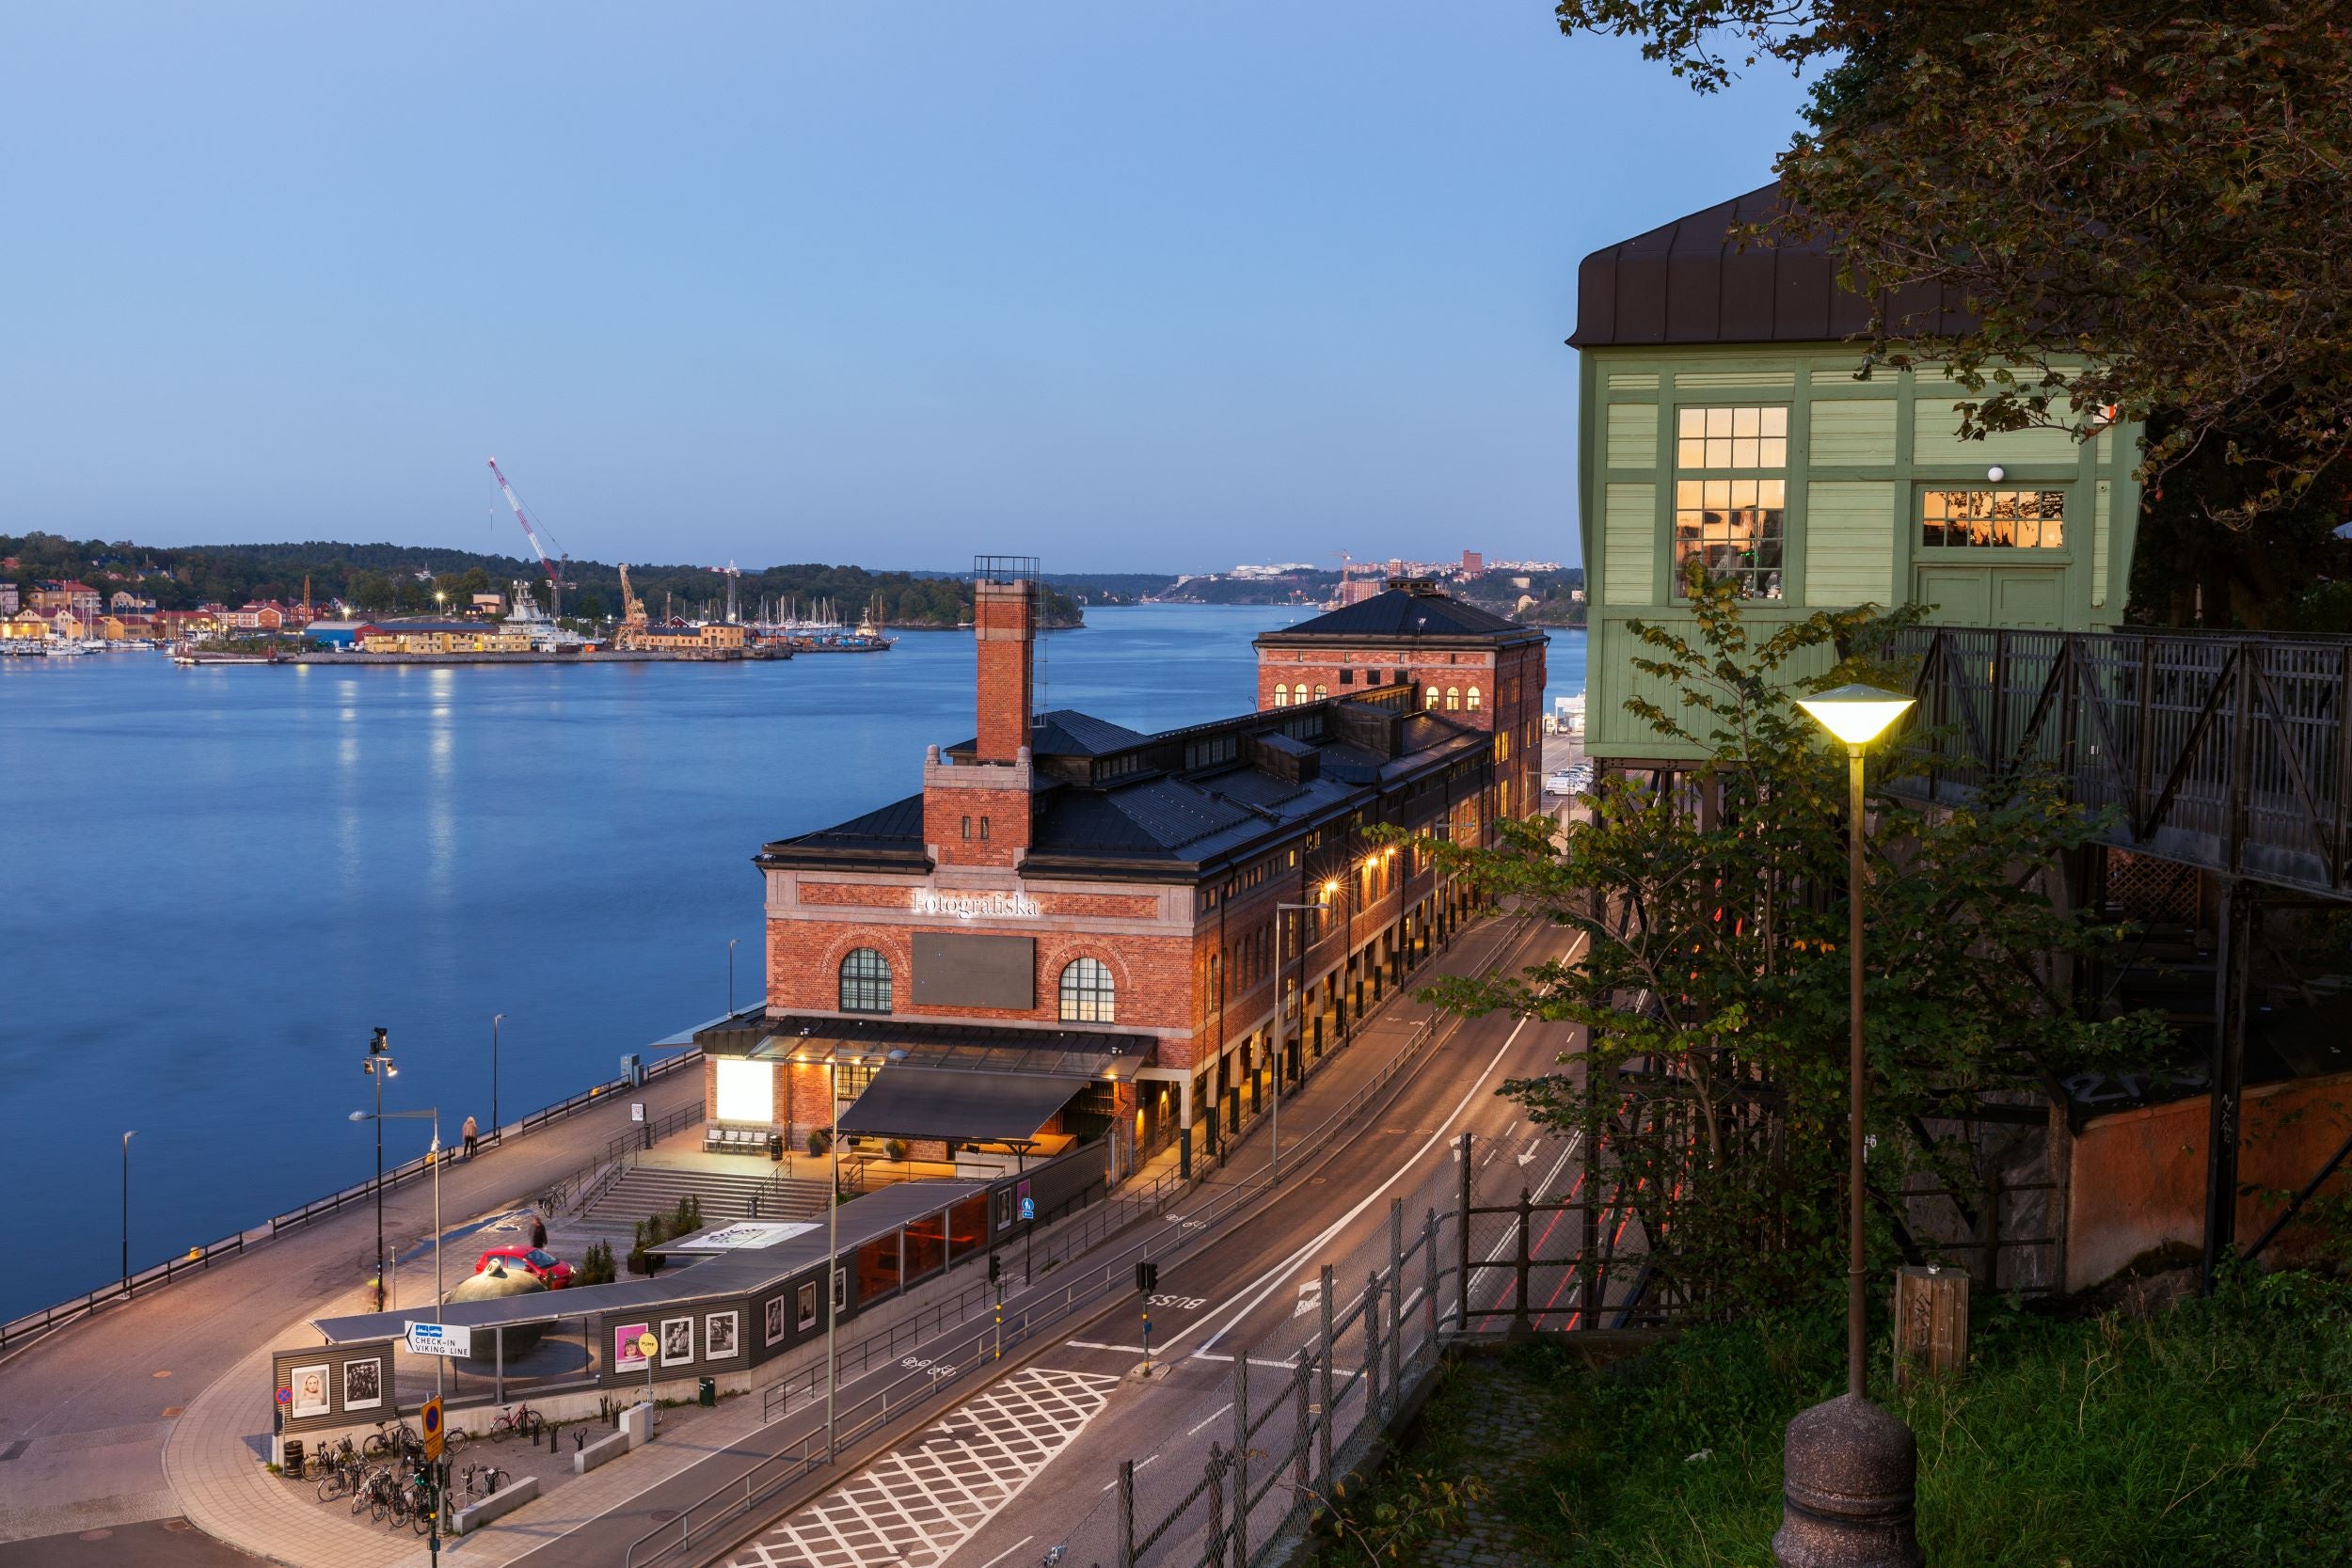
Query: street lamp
{"points": [[731, 941], [377, 1064], [441, 1363], [496, 1019], [1281, 1022], [126, 1209], [1851, 1469]]}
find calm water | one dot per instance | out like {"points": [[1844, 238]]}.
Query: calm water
{"points": [[221, 878]]}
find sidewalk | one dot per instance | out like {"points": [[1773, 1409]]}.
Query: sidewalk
{"points": [[86, 1413]]}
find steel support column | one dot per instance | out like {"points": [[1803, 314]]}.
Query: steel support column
{"points": [[2233, 932]]}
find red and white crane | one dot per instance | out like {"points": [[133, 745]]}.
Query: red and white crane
{"points": [[555, 572]]}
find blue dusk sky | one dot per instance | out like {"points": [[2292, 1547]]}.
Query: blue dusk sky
{"points": [[1129, 287]]}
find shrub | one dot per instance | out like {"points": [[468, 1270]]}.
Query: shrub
{"points": [[818, 1141], [686, 1217], [896, 1150], [595, 1266]]}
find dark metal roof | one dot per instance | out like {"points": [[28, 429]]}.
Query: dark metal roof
{"points": [[933, 1103], [895, 827], [727, 1273], [1088, 1053], [1067, 733], [1403, 615], [1689, 281]]}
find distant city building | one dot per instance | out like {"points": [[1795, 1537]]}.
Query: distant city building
{"points": [[1472, 564], [80, 597], [338, 633], [489, 604], [124, 602], [8, 605], [1284, 569]]}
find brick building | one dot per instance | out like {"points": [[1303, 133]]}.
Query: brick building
{"points": [[1474, 667], [1070, 933]]}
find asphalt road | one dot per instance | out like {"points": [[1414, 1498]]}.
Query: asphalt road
{"points": [[1024, 1462]]}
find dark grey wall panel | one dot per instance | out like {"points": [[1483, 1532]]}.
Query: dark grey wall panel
{"points": [[953, 969]]}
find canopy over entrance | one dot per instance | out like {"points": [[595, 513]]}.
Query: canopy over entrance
{"points": [[913, 1101]]}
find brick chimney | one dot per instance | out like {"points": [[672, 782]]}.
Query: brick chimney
{"points": [[978, 814], [1004, 623]]}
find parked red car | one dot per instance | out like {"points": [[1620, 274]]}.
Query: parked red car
{"points": [[544, 1265]]}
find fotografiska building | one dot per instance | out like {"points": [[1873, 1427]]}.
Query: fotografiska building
{"points": [[1069, 933]]}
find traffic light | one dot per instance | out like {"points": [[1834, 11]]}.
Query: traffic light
{"points": [[1147, 1278], [994, 1269]]}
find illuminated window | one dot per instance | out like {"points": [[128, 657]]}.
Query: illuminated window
{"points": [[866, 982], [1088, 994], [1471, 702], [1282, 695], [1453, 698], [1431, 701], [1321, 691], [1992, 519], [1732, 439], [1735, 525]]}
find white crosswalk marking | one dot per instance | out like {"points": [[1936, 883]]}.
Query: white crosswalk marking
{"points": [[917, 1504]]}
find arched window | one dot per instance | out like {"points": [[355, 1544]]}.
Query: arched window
{"points": [[1430, 703], [1472, 703], [1282, 696], [1453, 698], [1321, 691], [866, 982], [1086, 993]]}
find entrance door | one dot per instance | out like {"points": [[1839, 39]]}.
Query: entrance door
{"points": [[2026, 597]]}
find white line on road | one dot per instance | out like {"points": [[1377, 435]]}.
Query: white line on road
{"points": [[1114, 1480], [1000, 1557], [1213, 1415], [1271, 1280]]}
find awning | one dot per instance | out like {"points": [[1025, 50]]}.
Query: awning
{"points": [[907, 1102]]}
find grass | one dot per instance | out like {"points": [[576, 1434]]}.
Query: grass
{"points": [[2218, 1432]]}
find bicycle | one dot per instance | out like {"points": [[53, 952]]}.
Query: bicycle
{"points": [[419, 1502], [393, 1438], [518, 1422], [492, 1478]]}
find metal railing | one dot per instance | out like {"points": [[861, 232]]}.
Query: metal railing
{"points": [[197, 1259], [955, 1357], [2229, 752]]}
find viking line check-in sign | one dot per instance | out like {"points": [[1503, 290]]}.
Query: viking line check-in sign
{"points": [[441, 1339]]}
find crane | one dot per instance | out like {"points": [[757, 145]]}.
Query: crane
{"points": [[732, 573], [555, 573]]}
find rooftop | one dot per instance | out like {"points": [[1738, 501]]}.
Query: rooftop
{"points": [[1690, 281]]}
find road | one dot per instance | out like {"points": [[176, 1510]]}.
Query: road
{"points": [[1028, 1463]]}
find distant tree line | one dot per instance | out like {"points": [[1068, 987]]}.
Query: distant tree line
{"points": [[409, 579]]}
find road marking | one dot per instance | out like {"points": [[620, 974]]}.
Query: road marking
{"points": [[1271, 1280], [1310, 1297], [1000, 1557], [1139, 1464], [918, 1503], [1213, 1417]]}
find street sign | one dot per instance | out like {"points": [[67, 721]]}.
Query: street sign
{"points": [[636, 1110], [430, 1418], [646, 1345], [441, 1339]]}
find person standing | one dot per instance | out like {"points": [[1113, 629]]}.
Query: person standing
{"points": [[473, 1134]]}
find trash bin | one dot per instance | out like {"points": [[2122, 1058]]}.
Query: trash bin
{"points": [[706, 1391], [775, 1147]]}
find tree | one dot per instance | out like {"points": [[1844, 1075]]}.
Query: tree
{"points": [[1713, 985], [2140, 202]]}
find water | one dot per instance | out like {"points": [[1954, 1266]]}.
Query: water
{"points": [[221, 879]]}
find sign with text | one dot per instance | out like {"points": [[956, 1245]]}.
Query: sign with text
{"points": [[439, 1339], [976, 905]]}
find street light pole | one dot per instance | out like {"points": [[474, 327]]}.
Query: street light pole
{"points": [[126, 1209], [378, 1065], [1281, 1023], [496, 1019], [731, 941], [441, 1363], [1849, 1471]]}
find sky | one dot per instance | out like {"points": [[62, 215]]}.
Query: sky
{"points": [[1140, 288]]}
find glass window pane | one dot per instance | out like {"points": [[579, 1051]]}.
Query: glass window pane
{"points": [[1775, 421], [1744, 452], [1772, 452], [1691, 454], [1719, 452], [1718, 423], [1687, 491], [1747, 421], [1691, 421]]}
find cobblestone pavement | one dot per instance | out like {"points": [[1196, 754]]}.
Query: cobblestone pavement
{"points": [[918, 1503], [1502, 1413]]}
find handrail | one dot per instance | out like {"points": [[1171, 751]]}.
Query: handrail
{"points": [[758, 1485], [32, 1324]]}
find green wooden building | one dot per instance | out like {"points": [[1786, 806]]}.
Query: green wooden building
{"points": [[1721, 419]]}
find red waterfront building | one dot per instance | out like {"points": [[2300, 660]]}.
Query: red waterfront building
{"points": [[1070, 932]]}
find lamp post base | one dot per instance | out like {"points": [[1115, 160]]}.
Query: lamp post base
{"points": [[1851, 1474]]}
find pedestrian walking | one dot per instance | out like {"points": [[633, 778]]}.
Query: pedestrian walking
{"points": [[473, 1135], [538, 1231]]}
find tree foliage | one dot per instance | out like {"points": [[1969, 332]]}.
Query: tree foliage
{"points": [[2142, 202], [1712, 981]]}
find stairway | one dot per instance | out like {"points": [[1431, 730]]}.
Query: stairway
{"points": [[651, 1189]]}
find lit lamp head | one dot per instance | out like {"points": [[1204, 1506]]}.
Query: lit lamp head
{"points": [[1855, 714]]}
